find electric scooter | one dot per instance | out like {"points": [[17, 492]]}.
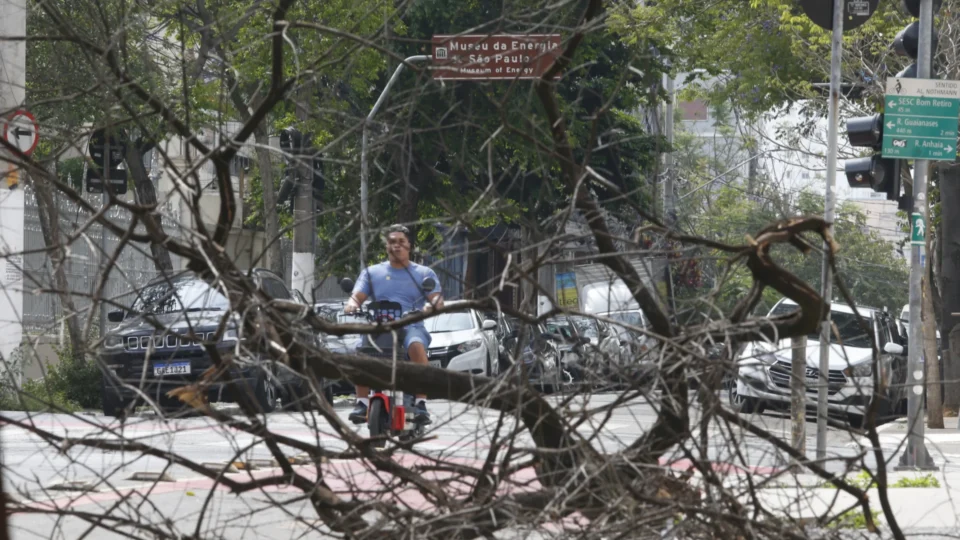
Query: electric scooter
{"points": [[388, 414]]}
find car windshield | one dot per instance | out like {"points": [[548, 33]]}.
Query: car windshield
{"points": [[449, 322], [184, 295], [847, 326], [569, 326], [630, 318]]}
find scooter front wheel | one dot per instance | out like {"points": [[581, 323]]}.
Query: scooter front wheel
{"points": [[378, 422]]}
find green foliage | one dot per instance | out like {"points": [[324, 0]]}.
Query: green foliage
{"points": [[925, 481], [69, 385], [866, 480], [70, 172], [866, 263], [853, 519], [253, 202], [765, 53]]}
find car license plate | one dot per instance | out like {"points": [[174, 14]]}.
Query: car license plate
{"points": [[173, 368], [435, 363]]}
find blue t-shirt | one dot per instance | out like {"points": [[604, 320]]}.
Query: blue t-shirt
{"points": [[401, 285]]}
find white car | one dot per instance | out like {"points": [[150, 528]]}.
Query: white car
{"points": [[764, 368], [463, 341]]}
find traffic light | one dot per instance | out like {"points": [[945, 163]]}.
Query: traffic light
{"points": [[882, 175], [913, 7], [907, 42], [106, 166]]}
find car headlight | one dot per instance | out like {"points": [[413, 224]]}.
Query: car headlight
{"points": [[469, 345], [113, 342], [767, 358], [859, 370], [230, 336]]}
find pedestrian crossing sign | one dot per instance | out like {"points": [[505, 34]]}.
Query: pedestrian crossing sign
{"points": [[918, 230]]}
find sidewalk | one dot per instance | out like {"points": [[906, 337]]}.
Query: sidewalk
{"points": [[931, 511], [940, 443]]}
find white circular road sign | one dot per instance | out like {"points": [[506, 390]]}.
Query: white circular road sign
{"points": [[21, 130]]}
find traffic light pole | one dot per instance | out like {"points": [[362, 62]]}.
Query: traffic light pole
{"points": [[104, 200], [916, 455], [826, 276]]}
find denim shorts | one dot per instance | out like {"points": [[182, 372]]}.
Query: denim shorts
{"points": [[416, 334]]}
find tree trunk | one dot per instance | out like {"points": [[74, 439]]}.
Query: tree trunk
{"points": [[950, 264], [146, 194], [528, 301], [50, 227], [934, 402], [931, 365], [271, 220]]}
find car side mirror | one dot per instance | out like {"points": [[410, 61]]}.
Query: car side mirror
{"points": [[116, 316], [894, 348], [489, 325], [346, 285]]}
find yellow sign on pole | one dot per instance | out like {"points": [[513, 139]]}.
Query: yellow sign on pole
{"points": [[12, 175]]}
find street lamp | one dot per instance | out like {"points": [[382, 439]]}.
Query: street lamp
{"points": [[364, 168]]}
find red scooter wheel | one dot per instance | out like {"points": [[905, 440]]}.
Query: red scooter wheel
{"points": [[378, 422]]}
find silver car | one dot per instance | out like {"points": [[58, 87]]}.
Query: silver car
{"points": [[764, 369]]}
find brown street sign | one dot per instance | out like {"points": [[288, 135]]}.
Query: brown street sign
{"points": [[494, 56]]}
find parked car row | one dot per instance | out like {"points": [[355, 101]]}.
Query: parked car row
{"points": [[165, 340], [559, 351]]}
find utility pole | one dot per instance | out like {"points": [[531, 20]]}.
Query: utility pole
{"points": [[669, 204], [364, 168], [916, 456], [305, 230], [13, 60], [669, 208], [826, 276], [104, 200]]}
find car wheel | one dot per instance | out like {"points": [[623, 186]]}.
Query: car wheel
{"points": [[114, 406], [885, 413], [743, 404], [503, 365], [266, 394]]}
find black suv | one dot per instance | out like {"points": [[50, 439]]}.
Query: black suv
{"points": [[160, 344]]}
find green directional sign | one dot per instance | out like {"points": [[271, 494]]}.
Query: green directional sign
{"points": [[920, 119]]}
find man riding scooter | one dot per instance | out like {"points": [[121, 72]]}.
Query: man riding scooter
{"points": [[399, 280]]}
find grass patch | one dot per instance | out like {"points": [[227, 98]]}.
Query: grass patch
{"points": [[925, 481], [864, 480], [853, 519]]}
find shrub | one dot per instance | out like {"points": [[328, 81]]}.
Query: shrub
{"points": [[69, 385]]}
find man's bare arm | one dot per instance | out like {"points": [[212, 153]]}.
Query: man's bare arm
{"points": [[356, 300], [434, 301]]}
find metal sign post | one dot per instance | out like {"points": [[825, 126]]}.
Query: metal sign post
{"points": [[916, 455], [826, 276], [13, 55]]}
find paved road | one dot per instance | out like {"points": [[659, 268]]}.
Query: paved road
{"points": [[462, 434]]}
